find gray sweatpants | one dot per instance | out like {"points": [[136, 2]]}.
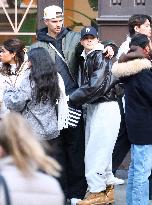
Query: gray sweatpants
{"points": [[102, 126]]}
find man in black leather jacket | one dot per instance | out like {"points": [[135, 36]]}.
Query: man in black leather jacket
{"points": [[98, 91]]}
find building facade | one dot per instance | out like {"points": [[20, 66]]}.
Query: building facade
{"points": [[21, 18]]}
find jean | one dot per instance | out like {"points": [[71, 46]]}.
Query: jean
{"points": [[139, 171]]}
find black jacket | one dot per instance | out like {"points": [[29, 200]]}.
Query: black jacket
{"points": [[66, 43], [96, 80], [136, 73]]}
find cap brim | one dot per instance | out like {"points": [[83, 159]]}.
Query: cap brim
{"points": [[89, 35]]}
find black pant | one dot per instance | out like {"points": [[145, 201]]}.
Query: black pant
{"points": [[123, 146], [70, 150]]}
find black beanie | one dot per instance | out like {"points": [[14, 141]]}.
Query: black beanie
{"points": [[140, 40]]}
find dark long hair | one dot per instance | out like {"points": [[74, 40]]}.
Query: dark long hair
{"points": [[44, 75], [13, 46]]}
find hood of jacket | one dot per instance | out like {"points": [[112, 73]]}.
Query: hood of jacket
{"points": [[42, 34], [131, 63]]}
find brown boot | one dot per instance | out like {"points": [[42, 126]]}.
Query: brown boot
{"points": [[94, 199], [109, 194]]}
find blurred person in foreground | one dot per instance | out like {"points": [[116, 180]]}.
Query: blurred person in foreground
{"points": [[28, 171]]}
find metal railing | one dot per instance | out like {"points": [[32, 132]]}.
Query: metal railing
{"points": [[16, 26]]}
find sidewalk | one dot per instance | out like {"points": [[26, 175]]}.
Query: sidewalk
{"points": [[120, 192]]}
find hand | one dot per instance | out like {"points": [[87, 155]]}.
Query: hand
{"points": [[109, 52]]}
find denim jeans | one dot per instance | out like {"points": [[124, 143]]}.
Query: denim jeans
{"points": [[139, 171]]}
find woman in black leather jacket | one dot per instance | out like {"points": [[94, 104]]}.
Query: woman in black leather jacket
{"points": [[96, 83], [97, 90]]}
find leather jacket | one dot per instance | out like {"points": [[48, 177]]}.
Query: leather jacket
{"points": [[97, 81]]}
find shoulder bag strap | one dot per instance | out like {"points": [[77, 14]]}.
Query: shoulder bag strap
{"points": [[59, 54], [6, 191]]}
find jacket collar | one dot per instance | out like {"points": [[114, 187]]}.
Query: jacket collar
{"points": [[129, 68], [98, 47]]}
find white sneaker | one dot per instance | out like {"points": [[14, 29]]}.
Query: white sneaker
{"points": [[74, 201], [118, 181]]}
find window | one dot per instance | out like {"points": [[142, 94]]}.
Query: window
{"points": [[115, 2], [140, 2]]}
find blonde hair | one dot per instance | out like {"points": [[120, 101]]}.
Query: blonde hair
{"points": [[19, 141]]}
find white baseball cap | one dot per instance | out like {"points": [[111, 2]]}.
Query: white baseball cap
{"points": [[52, 12]]}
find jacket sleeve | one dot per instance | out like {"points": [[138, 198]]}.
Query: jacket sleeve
{"points": [[111, 44], [96, 82], [15, 98]]}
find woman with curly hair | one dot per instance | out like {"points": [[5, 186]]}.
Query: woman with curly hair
{"points": [[13, 66]]}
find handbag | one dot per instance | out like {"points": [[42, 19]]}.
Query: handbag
{"points": [[6, 190], [39, 122]]}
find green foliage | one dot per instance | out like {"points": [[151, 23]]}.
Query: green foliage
{"points": [[93, 4], [29, 25]]}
